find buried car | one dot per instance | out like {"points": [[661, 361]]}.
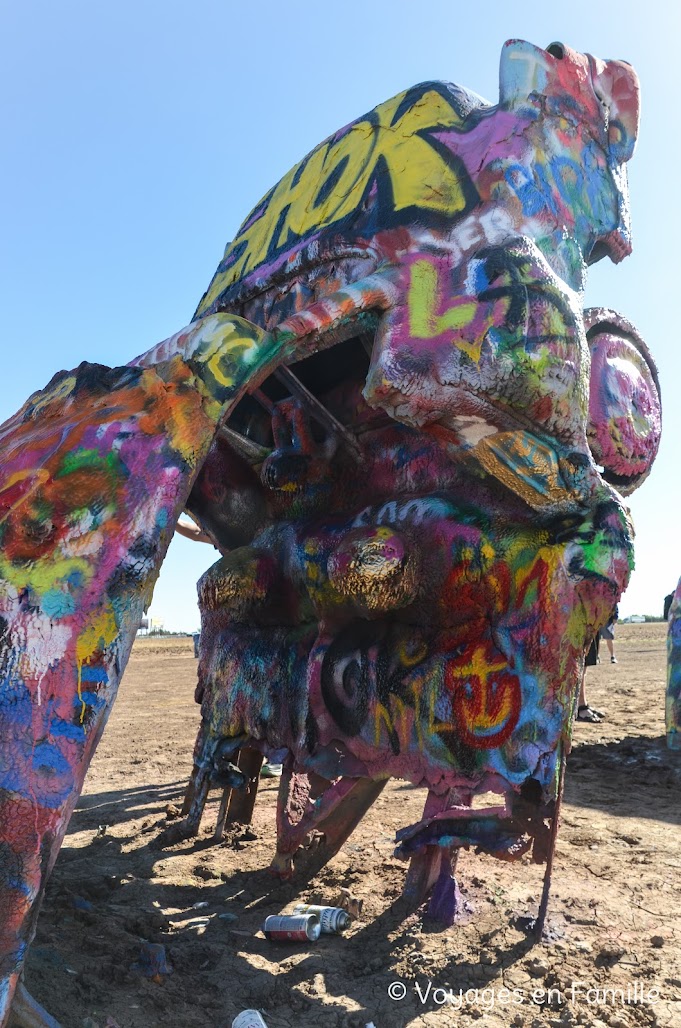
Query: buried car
{"points": [[392, 414]]}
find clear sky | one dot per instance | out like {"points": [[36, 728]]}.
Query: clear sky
{"points": [[137, 134]]}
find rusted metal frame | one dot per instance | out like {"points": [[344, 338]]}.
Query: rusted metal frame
{"points": [[242, 801], [546, 888], [253, 452], [318, 411], [290, 834], [260, 397], [425, 868], [338, 826]]}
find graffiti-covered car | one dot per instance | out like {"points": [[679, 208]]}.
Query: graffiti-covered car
{"points": [[382, 413]]}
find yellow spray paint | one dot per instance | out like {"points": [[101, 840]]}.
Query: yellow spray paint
{"points": [[330, 183], [99, 633]]}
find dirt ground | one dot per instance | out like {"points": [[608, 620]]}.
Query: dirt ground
{"points": [[614, 917]]}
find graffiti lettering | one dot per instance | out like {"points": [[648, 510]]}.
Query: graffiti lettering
{"points": [[392, 150], [412, 512]]}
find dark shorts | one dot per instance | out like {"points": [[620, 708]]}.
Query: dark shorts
{"points": [[608, 632], [592, 652]]}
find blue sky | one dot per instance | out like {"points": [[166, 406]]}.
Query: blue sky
{"points": [[137, 135]]}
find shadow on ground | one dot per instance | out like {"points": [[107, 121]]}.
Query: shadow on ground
{"points": [[112, 901], [120, 805], [632, 777]]}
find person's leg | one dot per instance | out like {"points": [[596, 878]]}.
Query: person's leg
{"points": [[584, 711]]}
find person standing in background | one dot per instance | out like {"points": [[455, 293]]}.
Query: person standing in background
{"points": [[667, 605], [608, 633], [585, 712]]}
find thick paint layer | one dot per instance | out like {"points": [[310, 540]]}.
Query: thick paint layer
{"points": [[96, 469], [389, 415], [416, 600]]}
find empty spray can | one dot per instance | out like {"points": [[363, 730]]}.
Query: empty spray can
{"points": [[248, 1019], [287, 928], [332, 920]]}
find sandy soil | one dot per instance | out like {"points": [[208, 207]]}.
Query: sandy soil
{"points": [[614, 918]]}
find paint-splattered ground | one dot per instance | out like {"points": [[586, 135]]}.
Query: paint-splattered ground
{"points": [[615, 915]]}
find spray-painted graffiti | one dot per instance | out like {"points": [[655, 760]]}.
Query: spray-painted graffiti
{"points": [[426, 617], [388, 413], [96, 469], [435, 153]]}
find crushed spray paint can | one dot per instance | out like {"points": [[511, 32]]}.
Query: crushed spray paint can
{"points": [[287, 928], [248, 1019], [332, 920]]}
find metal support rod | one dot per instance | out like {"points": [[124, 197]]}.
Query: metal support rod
{"points": [[543, 906], [318, 410], [263, 400], [367, 342], [222, 815], [246, 447]]}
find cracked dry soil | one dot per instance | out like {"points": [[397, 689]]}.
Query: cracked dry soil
{"points": [[614, 917]]}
